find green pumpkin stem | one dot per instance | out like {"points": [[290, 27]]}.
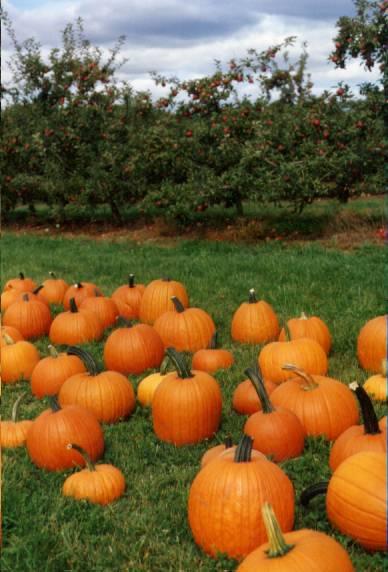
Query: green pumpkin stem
{"points": [[243, 453], [252, 296], [53, 351], [179, 307], [73, 306], [21, 275], [277, 545], [85, 356], [179, 362], [15, 407], [89, 463], [313, 491], [131, 281], [371, 423], [228, 442], [214, 341], [53, 402], [311, 384], [258, 384], [164, 366]]}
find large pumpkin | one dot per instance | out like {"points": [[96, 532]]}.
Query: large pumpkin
{"points": [[31, 317], [372, 344], [308, 327], [52, 371], [75, 327], [156, 299], [254, 322]]}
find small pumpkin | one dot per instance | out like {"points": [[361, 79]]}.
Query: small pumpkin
{"points": [[79, 292], [254, 322], [18, 360], [186, 406], [108, 394], [148, 385], [308, 327], [75, 327], [215, 452], [99, 484], [188, 329], [53, 289], [245, 400], [31, 317], [372, 344], [22, 284], [156, 299], [104, 308], [130, 294], [376, 385], [366, 437], [13, 433], [298, 551], [51, 372], [212, 358]]}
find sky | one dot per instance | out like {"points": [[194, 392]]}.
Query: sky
{"points": [[183, 38]]}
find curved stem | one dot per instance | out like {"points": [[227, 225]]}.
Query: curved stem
{"points": [[252, 296], [287, 331], [277, 544], [85, 356], [179, 363], [15, 407], [371, 423], [311, 384], [258, 384], [73, 306], [53, 402], [7, 338], [164, 366], [53, 351], [243, 453], [89, 463], [131, 281], [313, 491], [179, 307]]}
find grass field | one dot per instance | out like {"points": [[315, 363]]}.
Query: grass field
{"points": [[147, 529]]}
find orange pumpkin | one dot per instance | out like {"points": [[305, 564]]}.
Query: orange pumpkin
{"points": [[52, 371], [12, 332], [8, 297], [212, 359], [104, 308], [215, 452], [22, 284], [148, 385], [376, 385], [53, 290], [13, 433], [79, 292], [75, 327], [156, 299], [130, 294], [254, 322], [31, 317], [245, 399], [372, 344], [308, 327], [18, 360]]}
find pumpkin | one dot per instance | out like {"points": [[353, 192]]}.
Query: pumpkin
{"points": [[104, 308], [147, 386], [186, 407], [156, 299], [79, 292], [99, 484], [75, 327], [366, 437], [372, 344], [376, 385], [215, 452], [34, 295], [225, 499], [298, 551], [31, 317], [356, 499], [12, 333], [53, 290], [125, 310], [133, 349], [307, 354], [276, 431], [212, 359], [18, 360], [53, 429], [188, 329], [324, 405], [308, 327], [245, 400], [254, 322], [13, 433], [22, 284], [8, 297], [130, 294], [108, 394], [52, 371]]}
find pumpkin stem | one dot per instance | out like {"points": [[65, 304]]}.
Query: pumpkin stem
{"points": [[52, 274], [15, 407], [313, 491], [258, 383], [86, 357], [166, 279], [179, 362], [179, 307], [21, 275], [277, 544], [243, 453], [303, 316], [213, 341], [89, 463], [73, 306], [131, 281], [228, 442], [53, 402], [252, 296], [78, 285], [311, 384], [38, 289], [53, 351], [371, 424], [7, 338], [287, 331], [26, 297], [164, 365]]}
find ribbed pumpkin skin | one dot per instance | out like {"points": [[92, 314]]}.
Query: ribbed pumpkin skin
{"points": [[51, 433], [245, 399], [125, 310], [31, 317], [75, 328], [313, 552], [109, 395], [133, 350], [21, 284], [156, 299], [305, 353], [255, 323], [101, 486], [212, 454], [87, 289], [14, 433], [18, 361], [212, 360], [147, 387], [51, 372], [186, 411], [311, 327], [12, 332], [189, 331], [8, 297], [356, 499], [327, 410], [376, 387], [372, 344], [225, 504], [53, 290], [354, 440], [130, 296], [104, 308]]}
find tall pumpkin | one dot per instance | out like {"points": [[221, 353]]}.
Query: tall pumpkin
{"points": [[372, 344], [156, 299], [254, 322], [130, 294]]}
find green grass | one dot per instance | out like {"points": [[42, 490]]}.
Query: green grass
{"points": [[147, 529]]}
